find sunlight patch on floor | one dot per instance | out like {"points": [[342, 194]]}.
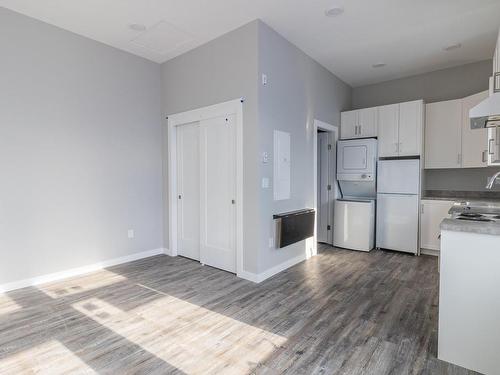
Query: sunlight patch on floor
{"points": [[189, 337], [81, 284], [48, 358], [8, 305]]}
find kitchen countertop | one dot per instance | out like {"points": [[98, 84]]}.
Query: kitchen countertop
{"points": [[454, 195], [471, 226]]}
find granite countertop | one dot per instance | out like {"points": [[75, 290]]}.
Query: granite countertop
{"points": [[491, 228]]}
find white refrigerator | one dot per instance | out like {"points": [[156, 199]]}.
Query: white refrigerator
{"points": [[398, 204]]}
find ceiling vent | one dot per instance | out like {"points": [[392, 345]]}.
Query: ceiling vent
{"points": [[162, 38]]}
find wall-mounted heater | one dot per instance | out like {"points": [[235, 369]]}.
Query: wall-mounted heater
{"points": [[292, 227]]}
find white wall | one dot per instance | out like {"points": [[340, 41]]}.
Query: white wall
{"points": [[80, 150], [299, 90]]}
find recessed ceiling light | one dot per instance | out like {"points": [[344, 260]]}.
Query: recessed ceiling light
{"points": [[334, 11], [137, 27], [379, 65], [452, 47]]}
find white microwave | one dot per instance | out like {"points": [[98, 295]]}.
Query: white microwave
{"points": [[494, 146]]}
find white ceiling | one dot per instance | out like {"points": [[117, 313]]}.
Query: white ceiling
{"points": [[408, 35]]}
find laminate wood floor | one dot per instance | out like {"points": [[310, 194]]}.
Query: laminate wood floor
{"points": [[342, 312]]}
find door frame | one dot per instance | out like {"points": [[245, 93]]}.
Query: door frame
{"points": [[334, 131], [222, 109]]}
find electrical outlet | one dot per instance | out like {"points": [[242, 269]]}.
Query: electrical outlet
{"points": [[130, 233], [264, 79]]}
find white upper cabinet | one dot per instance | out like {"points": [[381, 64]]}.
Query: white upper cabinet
{"points": [[443, 135], [400, 128], [449, 140], [388, 138], [360, 123], [410, 128], [474, 141], [367, 122], [349, 124]]}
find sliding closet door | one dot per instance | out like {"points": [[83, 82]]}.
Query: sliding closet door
{"points": [[218, 191], [188, 190]]}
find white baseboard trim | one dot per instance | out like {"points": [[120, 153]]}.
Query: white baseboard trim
{"points": [[167, 252], [260, 277], [79, 271], [429, 252]]}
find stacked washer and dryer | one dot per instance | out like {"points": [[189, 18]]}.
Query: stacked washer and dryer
{"points": [[354, 214]]}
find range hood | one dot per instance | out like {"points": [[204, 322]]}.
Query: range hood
{"points": [[487, 113]]}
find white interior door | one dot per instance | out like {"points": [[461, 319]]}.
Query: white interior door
{"points": [[188, 190], [324, 182], [218, 191]]}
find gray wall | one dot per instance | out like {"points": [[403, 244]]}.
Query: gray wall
{"points": [[80, 150], [299, 90], [447, 84], [222, 70]]}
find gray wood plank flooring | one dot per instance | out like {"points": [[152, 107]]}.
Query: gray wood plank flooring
{"points": [[342, 312]]}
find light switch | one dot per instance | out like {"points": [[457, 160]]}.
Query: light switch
{"points": [[265, 183], [265, 157], [264, 79]]}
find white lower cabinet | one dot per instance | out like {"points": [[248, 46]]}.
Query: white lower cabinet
{"points": [[432, 214]]}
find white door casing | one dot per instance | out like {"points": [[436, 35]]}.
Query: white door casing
{"points": [[324, 181], [334, 134]]}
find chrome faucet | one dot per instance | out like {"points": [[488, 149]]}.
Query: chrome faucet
{"points": [[492, 180]]}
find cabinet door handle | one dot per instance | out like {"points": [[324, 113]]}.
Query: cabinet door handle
{"points": [[485, 158], [359, 129], [490, 141], [422, 210]]}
